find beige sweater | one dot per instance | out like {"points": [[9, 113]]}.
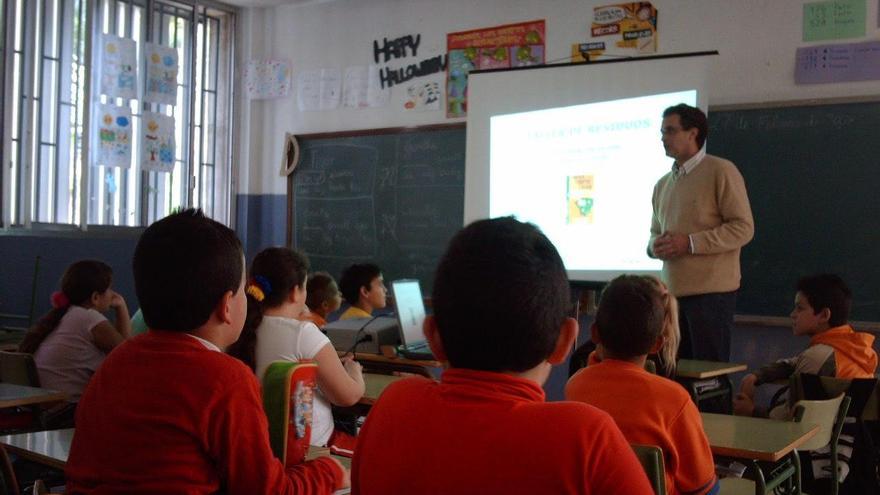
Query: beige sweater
{"points": [[709, 203]]}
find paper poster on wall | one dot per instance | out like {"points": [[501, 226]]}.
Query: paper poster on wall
{"points": [[512, 45], [624, 29], [834, 20], [266, 79], [118, 62], [162, 67], [423, 96], [157, 145], [361, 88], [838, 63], [319, 89], [113, 132]]}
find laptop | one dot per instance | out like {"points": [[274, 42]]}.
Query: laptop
{"points": [[410, 312]]}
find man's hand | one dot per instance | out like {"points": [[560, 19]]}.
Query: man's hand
{"points": [[670, 245]]}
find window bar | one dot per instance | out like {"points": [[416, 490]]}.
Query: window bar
{"points": [[4, 52], [56, 191], [80, 115], [26, 150], [215, 60], [201, 96], [37, 126], [106, 170], [144, 187], [86, 6]]}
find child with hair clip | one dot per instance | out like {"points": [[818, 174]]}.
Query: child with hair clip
{"points": [[276, 298], [74, 337]]}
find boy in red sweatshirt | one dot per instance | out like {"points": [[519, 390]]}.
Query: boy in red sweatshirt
{"points": [[821, 311], [501, 299], [169, 412]]}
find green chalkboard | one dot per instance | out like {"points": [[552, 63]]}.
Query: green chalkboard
{"points": [[813, 177], [393, 197]]}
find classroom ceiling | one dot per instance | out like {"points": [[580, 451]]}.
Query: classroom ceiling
{"points": [[271, 3]]}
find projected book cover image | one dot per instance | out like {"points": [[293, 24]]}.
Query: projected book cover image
{"points": [[579, 198]]}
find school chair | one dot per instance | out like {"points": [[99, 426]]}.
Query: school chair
{"points": [[40, 488], [830, 415], [8, 482], [651, 458], [18, 368], [288, 392]]}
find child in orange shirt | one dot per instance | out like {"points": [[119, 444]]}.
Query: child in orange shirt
{"points": [[323, 298], [501, 299], [649, 409]]}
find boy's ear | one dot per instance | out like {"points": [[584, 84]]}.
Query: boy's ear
{"points": [[432, 334], [658, 344], [565, 342], [825, 314], [223, 310], [364, 292]]}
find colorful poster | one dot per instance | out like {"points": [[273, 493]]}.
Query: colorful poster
{"points": [[118, 62], [422, 97], [157, 145], [162, 67], [267, 79], [113, 133], [512, 45], [834, 20], [626, 29]]}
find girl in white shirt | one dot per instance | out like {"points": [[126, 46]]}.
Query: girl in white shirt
{"points": [[276, 297], [72, 339]]}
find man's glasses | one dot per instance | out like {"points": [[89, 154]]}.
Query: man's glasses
{"points": [[670, 130]]}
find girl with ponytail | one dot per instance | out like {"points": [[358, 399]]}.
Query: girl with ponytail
{"points": [[276, 292], [72, 339]]}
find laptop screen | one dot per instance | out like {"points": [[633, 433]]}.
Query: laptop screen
{"points": [[410, 310]]}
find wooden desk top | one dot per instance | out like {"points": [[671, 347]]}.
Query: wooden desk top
{"points": [[49, 448], [19, 395], [376, 358], [376, 385], [692, 368], [315, 452], [754, 438]]}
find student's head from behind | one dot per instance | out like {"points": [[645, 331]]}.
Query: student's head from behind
{"points": [[501, 299], [630, 317], [671, 333], [189, 270], [822, 301], [323, 294], [684, 130], [85, 283], [362, 285]]}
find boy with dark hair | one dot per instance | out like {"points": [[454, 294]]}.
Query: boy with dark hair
{"points": [[168, 411], [629, 325], [501, 298], [363, 288], [821, 311], [322, 297]]}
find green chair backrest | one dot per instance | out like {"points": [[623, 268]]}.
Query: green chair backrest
{"points": [[288, 392], [138, 325], [651, 458], [824, 413]]}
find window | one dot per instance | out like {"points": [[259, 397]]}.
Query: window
{"points": [[53, 51]]}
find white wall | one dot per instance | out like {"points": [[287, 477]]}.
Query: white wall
{"points": [[756, 39]]}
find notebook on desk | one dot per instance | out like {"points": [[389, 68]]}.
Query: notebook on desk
{"points": [[410, 311]]}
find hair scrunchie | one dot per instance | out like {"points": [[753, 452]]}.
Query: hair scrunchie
{"points": [[59, 300], [259, 288]]}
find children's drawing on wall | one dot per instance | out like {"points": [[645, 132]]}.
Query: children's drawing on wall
{"points": [[512, 45], [118, 62], [267, 79], [319, 89], [423, 97], [113, 132], [362, 88], [157, 145], [162, 68], [627, 29]]}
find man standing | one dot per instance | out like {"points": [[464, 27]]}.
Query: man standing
{"points": [[701, 220]]}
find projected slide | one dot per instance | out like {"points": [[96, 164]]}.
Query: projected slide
{"points": [[584, 174]]}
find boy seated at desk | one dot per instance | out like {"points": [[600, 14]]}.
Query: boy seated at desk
{"points": [[363, 288], [322, 298], [649, 409], [501, 299], [168, 411], [821, 311]]}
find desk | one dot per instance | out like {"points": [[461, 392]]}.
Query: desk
{"points": [[707, 379], [49, 448], [392, 363], [375, 385], [767, 445], [20, 395]]}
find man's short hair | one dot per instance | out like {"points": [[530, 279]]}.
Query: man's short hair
{"points": [[321, 287], [630, 316], [500, 296], [827, 290], [183, 264], [690, 117], [356, 276]]}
